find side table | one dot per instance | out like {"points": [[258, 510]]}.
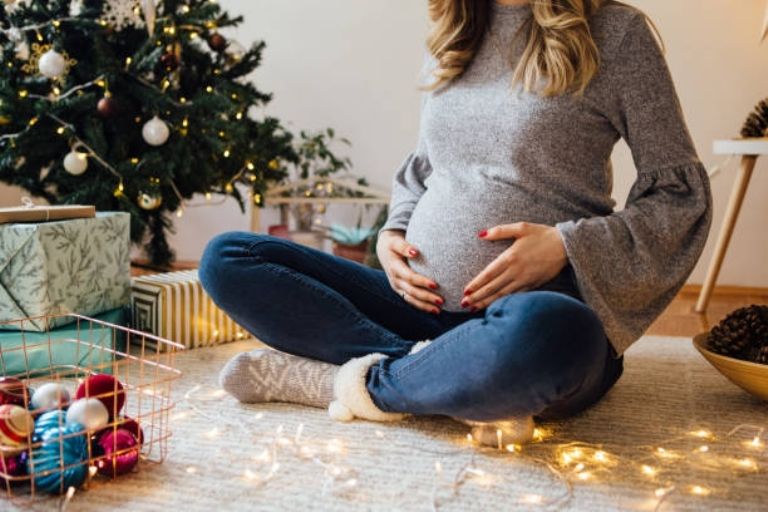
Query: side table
{"points": [[749, 150]]}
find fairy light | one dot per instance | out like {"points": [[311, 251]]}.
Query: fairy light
{"points": [[209, 89], [601, 456], [134, 161], [226, 153], [700, 490], [208, 196], [128, 61], [56, 23], [23, 93], [703, 433], [33, 121], [755, 443], [703, 448], [239, 116], [586, 475], [533, 499], [649, 470], [61, 130], [179, 213], [182, 100], [747, 463]]}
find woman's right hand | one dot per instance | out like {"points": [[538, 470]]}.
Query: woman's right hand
{"points": [[392, 251]]}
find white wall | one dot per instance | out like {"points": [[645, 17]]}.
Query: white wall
{"points": [[352, 65]]}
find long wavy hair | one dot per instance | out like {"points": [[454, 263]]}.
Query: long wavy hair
{"points": [[560, 55]]}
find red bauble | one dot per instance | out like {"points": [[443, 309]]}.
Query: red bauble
{"points": [[106, 388], [121, 452], [133, 427], [169, 61], [217, 42], [13, 391], [107, 107]]}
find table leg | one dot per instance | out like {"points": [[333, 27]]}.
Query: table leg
{"points": [[726, 230]]}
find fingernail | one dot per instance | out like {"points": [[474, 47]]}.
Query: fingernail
{"points": [[464, 304], [467, 292], [482, 233], [439, 302], [412, 252], [433, 286], [436, 311]]}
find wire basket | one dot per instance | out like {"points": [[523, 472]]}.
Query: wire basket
{"points": [[141, 362]]}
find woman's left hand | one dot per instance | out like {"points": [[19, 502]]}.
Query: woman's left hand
{"points": [[536, 257]]}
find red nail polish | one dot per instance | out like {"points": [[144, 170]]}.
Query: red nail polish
{"points": [[439, 302], [482, 233], [433, 286], [464, 304], [467, 292], [412, 252]]}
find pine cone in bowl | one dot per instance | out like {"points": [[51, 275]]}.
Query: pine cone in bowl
{"points": [[741, 334]]}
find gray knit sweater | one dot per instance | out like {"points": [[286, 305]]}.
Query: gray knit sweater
{"points": [[489, 155]]}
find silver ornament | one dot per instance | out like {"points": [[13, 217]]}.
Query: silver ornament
{"points": [[75, 162], [155, 132]]}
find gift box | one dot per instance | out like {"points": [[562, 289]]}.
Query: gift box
{"points": [[70, 266], [77, 344], [174, 306]]}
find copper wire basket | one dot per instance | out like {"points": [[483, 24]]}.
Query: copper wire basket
{"points": [[141, 362]]}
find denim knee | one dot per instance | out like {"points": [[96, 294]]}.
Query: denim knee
{"points": [[546, 333], [220, 255]]}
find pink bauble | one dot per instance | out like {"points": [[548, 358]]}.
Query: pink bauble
{"points": [[12, 466], [105, 388], [121, 452], [132, 426], [13, 391]]}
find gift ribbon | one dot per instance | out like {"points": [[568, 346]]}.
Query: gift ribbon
{"points": [[26, 202]]}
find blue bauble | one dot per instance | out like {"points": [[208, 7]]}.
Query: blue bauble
{"points": [[55, 452], [47, 421]]}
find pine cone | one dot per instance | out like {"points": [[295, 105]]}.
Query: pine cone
{"points": [[741, 332], [757, 122], [761, 355]]}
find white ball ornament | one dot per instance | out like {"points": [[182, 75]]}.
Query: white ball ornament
{"points": [[89, 412], [75, 163], [50, 396], [52, 64], [155, 132]]}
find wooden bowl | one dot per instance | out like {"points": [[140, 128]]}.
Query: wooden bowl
{"points": [[751, 377]]}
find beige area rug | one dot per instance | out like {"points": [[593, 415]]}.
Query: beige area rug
{"points": [[227, 456]]}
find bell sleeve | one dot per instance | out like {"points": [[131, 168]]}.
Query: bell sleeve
{"points": [[630, 264], [408, 181]]}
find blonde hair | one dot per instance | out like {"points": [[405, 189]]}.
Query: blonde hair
{"points": [[560, 55]]}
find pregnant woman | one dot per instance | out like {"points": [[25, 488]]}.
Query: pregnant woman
{"points": [[511, 288]]}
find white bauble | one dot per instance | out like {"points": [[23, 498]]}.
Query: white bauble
{"points": [[155, 132], [50, 396], [89, 412], [75, 163], [52, 64]]}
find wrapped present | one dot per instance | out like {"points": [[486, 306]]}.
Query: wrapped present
{"points": [[77, 344], [174, 306], [69, 266]]}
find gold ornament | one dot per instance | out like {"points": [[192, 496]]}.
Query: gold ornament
{"points": [[149, 200], [4, 120], [274, 164]]}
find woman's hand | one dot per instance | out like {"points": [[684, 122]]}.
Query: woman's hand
{"points": [[536, 256], [392, 251]]}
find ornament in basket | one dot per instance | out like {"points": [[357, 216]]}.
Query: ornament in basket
{"points": [[98, 409]]}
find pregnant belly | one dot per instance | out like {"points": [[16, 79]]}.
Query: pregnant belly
{"points": [[444, 228]]}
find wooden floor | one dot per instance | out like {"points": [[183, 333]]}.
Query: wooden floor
{"points": [[679, 319]]}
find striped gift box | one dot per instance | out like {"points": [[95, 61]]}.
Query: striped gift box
{"points": [[175, 306]]}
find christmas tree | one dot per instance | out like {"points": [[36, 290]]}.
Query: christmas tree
{"points": [[133, 105]]}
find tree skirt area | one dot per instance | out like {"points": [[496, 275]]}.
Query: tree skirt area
{"points": [[660, 439]]}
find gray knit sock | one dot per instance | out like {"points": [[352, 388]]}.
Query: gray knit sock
{"points": [[266, 375]]}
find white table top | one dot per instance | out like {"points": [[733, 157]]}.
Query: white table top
{"points": [[753, 146]]}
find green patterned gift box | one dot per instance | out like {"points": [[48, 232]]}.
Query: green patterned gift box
{"points": [[70, 266]]}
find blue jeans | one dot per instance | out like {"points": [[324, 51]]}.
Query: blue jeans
{"points": [[542, 353]]}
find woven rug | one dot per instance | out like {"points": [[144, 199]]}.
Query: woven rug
{"points": [[659, 440]]}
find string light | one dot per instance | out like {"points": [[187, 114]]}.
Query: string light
{"points": [[209, 89], [23, 93], [700, 490]]}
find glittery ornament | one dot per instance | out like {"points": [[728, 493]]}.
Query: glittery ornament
{"points": [[16, 425], [48, 420], [121, 14], [121, 450], [60, 448], [13, 391], [155, 132], [49, 396], [105, 388], [149, 201], [89, 412]]}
